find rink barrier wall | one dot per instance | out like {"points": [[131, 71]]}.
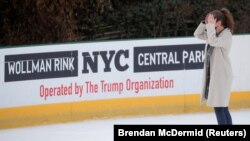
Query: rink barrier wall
{"points": [[79, 72], [76, 111]]}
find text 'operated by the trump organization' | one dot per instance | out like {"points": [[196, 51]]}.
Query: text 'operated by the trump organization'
{"points": [[197, 132]]}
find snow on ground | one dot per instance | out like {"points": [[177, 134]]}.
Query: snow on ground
{"points": [[102, 130]]}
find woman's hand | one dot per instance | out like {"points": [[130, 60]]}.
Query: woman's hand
{"points": [[206, 18], [210, 19]]}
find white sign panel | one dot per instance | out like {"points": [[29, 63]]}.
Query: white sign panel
{"points": [[100, 70]]}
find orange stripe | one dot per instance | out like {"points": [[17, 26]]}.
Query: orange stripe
{"points": [[74, 111]]}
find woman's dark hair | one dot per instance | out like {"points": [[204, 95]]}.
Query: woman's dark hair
{"points": [[225, 16]]}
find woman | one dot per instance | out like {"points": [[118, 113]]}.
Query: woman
{"points": [[217, 29]]}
